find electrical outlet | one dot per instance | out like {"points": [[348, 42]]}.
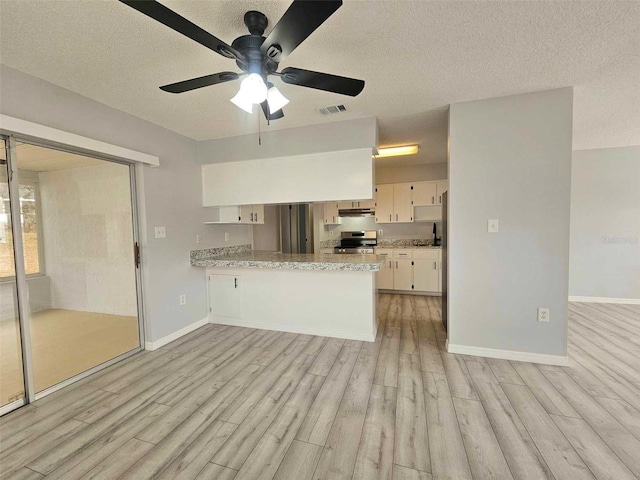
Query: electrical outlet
{"points": [[161, 232], [492, 225], [198, 238], [380, 232], [543, 315], [183, 299], [226, 236]]}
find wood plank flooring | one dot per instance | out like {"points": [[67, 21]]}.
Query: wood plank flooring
{"points": [[227, 403]]}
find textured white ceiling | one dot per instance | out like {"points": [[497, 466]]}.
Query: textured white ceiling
{"points": [[415, 56]]}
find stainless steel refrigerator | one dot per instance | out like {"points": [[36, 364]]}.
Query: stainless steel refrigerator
{"points": [[296, 228]]}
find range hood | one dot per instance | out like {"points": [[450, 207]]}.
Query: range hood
{"points": [[356, 212]]}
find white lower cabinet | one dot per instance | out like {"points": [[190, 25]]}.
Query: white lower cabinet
{"points": [[409, 269], [384, 278], [402, 274], [426, 275], [224, 295]]}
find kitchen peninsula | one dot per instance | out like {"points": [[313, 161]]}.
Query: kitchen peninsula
{"points": [[317, 294]]}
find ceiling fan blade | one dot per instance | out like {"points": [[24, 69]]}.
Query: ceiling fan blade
{"points": [[171, 19], [186, 85], [298, 22], [274, 116], [322, 81]]}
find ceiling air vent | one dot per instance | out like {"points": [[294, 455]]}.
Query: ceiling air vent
{"points": [[332, 109]]}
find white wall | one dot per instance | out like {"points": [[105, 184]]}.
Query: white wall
{"points": [[410, 173], [328, 137], [605, 223], [510, 159], [88, 238], [171, 193]]}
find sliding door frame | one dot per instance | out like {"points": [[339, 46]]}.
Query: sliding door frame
{"points": [[20, 270], [21, 278]]}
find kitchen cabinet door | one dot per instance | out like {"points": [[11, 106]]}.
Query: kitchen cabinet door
{"points": [[246, 214], [224, 295], [424, 194], [346, 205], [366, 204], [426, 275], [384, 203], [331, 213], [441, 187], [230, 214], [402, 274], [384, 278], [258, 214], [402, 208]]}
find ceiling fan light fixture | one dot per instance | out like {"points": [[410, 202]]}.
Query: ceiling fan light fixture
{"points": [[397, 151], [253, 88], [276, 99], [240, 101]]}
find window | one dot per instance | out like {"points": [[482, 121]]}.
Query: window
{"points": [[31, 228]]}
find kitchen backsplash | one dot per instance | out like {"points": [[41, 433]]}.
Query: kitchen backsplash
{"points": [[395, 231]]}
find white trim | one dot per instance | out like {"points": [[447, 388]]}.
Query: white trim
{"points": [[175, 335], [9, 407], [237, 322], [559, 360], [626, 301], [11, 125]]}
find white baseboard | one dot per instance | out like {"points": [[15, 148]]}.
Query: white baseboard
{"points": [[237, 322], [626, 301], [559, 360], [175, 335]]}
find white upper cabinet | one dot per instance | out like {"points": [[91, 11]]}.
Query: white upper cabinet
{"points": [[245, 214], [424, 194], [331, 216], [441, 187], [402, 207], [393, 203], [384, 203]]}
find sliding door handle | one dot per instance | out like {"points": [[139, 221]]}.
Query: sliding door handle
{"points": [[136, 254]]}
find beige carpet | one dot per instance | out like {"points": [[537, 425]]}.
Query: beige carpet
{"points": [[64, 343]]}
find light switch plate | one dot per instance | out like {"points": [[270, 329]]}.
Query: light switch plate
{"points": [[492, 225], [380, 232], [161, 232], [226, 237], [198, 238]]}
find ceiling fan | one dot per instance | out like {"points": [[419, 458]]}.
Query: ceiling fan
{"points": [[257, 56]]}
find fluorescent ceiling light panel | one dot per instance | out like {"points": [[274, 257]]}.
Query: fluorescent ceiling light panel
{"points": [[397, 151]]}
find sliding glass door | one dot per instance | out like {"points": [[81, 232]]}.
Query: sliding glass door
{"points": [[12, 391], [78, 279]]}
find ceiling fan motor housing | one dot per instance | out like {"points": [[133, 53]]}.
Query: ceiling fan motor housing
{"points": [[249, 46]]}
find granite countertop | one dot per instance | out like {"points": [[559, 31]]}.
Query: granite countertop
{"points": [[414, 247], [292, 261]]}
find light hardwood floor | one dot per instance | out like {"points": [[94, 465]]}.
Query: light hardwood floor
{"points": [[235, 403], [64, 343]]}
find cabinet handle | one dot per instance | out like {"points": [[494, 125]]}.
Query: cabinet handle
{"points": [[256, 217], [334, 219], [435, 265], [433, 200], [440, 197], [389, 263], [251, 216], [235, 282], [396, 264], [389, 217], [396, 217]]}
